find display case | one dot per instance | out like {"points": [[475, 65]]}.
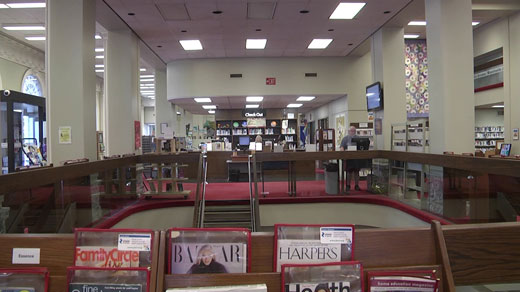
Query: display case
{"points": [[22, 131]]}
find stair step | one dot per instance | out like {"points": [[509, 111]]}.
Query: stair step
{"points": [[230, 224], [226, 208], [210, 218]]}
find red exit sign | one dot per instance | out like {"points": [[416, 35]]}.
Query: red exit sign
{"points": [[270, 81]]}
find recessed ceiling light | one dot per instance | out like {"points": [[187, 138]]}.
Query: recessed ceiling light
{"points": [[23, 27], [319, 43], [254, 98], [100, 57], [417, 22], [411, 36], [97, 37], [99, 50], [211, 112], [346, 10], [293, 105], [305, 98], [252, 105], [256, 44], [147, 76], [209, 106], [100, 66], [142, 69], [475, 23], [100, 71], [191, 45], [498, 106], [35, 38], [202, 99], [26, 5], [146, 80], [304, 11]]}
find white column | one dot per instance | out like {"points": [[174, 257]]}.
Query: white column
{"points": [[388, 68], [71, 80], [122, 107], [450, 76], [164, 110]]}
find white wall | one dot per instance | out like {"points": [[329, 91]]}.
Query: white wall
{"points": [[504, 33], [359, 75], [149, 115], [488, 117], [210, 77]]}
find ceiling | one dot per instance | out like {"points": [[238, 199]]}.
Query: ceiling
{"points": [[289, 32], [237, 102]]}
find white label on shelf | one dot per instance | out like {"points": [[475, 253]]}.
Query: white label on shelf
{"points": [[363, 125], [26, 256], [135, 242], [341, 235]]}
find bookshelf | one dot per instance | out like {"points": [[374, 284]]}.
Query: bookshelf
{"points": [[488, 137], [325, 140], [365, 130]]}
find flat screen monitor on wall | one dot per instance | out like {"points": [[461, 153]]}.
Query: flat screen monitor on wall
{"points": [[243, 140], [374, 96]]}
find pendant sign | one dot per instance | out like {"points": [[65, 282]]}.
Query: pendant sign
{"points": [[270, 81]]}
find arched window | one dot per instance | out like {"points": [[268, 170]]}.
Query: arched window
{"points": [[31, 85]]}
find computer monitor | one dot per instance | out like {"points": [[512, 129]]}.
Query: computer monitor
{"points": [[361, 143], [505, 150], [243, 140]]}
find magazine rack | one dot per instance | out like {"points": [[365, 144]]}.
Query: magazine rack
{"points": [[56, 254]]}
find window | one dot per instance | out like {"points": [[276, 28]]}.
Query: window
{"points": [[31, 85]]}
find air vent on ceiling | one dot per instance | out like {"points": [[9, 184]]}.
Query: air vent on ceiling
{"points": [[311, 74], [173, 11], [500, 113], [261, 10], [235, 75]]}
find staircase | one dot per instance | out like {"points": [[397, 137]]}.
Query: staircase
{"points": [[234, 214]]}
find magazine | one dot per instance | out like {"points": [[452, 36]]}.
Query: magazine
{"points": [[402, 283], [100, 287], [306, 251], [236, 288], [106, 257], [318, 287], [17, 289], [199, 258]]}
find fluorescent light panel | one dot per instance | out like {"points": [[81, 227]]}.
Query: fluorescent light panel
{"points": [[147, 76], [254, 98], [100, 66], [35, 38], [294, 105], [498, 106], [252, 105], [202, 99], [147, 80], [23, 27], [99, 50], [97, 37], [346, 10], [211, 112], [209, 106], [3, 6], [417, 22], [26, 5], [191, 45], [305, 98], [100, 57], [100, 70], [142, 69], [411, 36], [178, 113], [475, 23], [256, 44], [319, 44]]}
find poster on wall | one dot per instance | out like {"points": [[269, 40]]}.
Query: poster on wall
{"points": [[416, 78], [515, 134], [341, 129], [65, 136], [137, 128], [371, 116]]}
